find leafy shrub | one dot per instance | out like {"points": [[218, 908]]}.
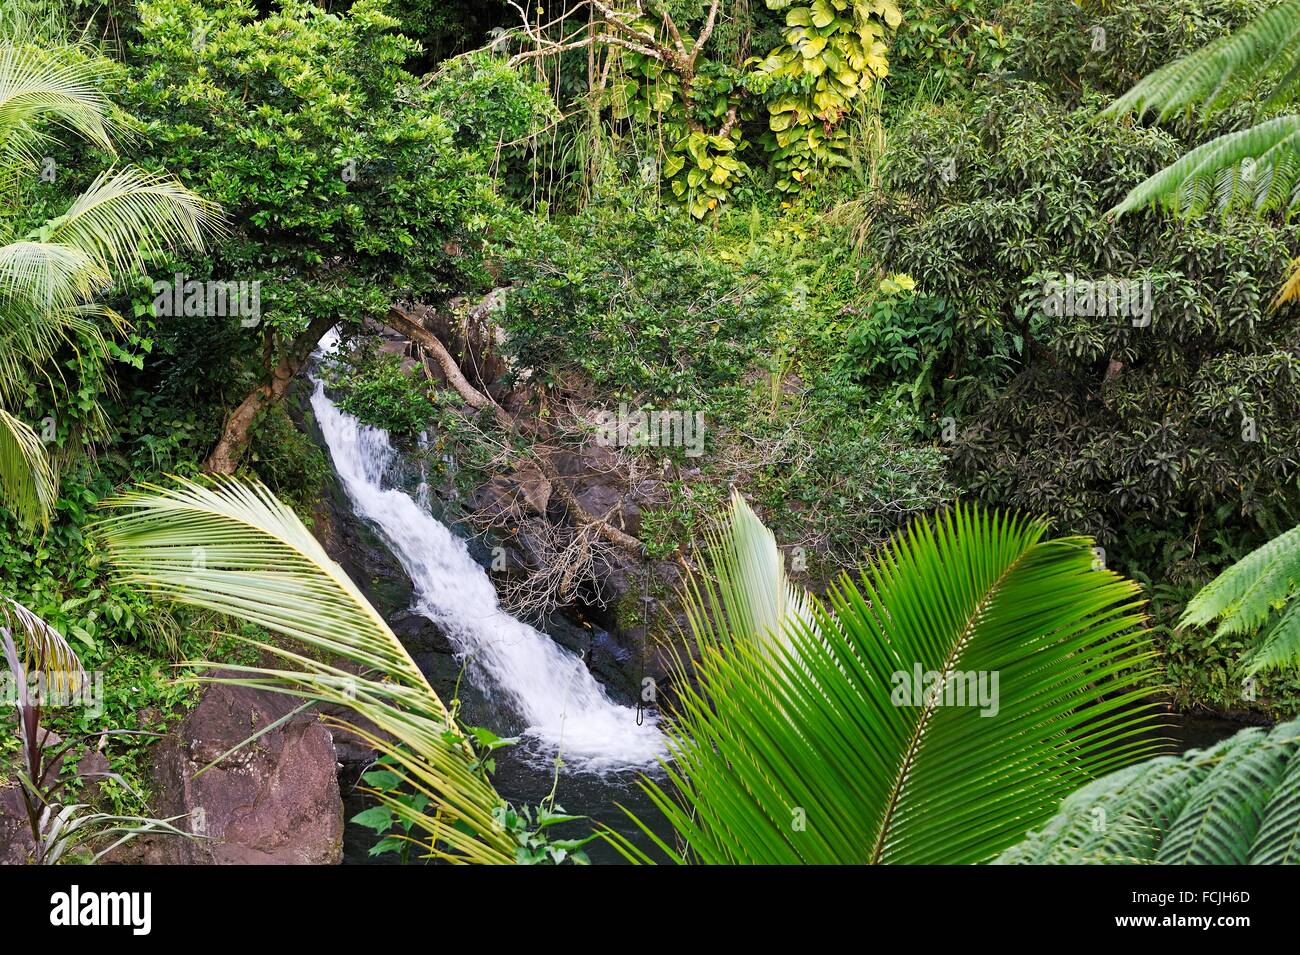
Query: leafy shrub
{"points": [[375, 387], [1143, 432], [288, 461], [489, 104], [1110, 46], [942, 45], [903, 336]]}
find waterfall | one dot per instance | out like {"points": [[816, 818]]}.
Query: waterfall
{"points": [[549, 689]]}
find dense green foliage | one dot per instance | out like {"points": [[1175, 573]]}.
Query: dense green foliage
{"points": [[346, 189], [865, 244], [1184, 416], [745, 328], [375, 387]]}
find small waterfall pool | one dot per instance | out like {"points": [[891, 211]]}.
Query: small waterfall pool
{"points": [[523, 682]]}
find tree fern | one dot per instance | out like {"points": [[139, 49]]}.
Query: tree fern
{"points": [[1256, 168], [1266, 52], [1236, 803], [1245, 597]]}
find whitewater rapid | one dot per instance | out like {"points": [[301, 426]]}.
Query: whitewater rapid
{"points": [[549, 689]]}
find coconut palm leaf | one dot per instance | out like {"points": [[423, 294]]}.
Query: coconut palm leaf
{"points": [[47, 276], [823, 747], [44, 650], [235, 549], [765, 603], [1245, 596], [46, 304], [42, 85], [1237, 803], [27, 485], [127, 215]]}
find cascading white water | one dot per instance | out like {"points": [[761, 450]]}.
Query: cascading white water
{"points": [[550, 689]]}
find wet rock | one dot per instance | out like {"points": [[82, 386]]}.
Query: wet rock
{"points": [[534, 489], [418, 633]]}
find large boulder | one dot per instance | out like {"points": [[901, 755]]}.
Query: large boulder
{"points": [[274, 801]]}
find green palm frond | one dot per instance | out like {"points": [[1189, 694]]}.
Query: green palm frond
{"points": [[46, 295], [42, 86], [1258, 168], [48, 276], [1265, 51], [49, 282], [27, 485], [42, 21], [764, 603], [44, 650], [233, 548], [823, 749], [30, 342], [127, 215], [1245, 596], [1237, 803]]}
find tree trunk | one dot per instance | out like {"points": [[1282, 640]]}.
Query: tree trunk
{"points": [[230, 449]]}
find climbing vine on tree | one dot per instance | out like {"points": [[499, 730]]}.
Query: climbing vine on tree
{"points": [[710, 105], [835, 50]]}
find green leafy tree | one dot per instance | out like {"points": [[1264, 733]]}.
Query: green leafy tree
{"points": [[347, 190]]}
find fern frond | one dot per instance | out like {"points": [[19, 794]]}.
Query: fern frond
{"points": [[1272, 148], [1264, 52], [1237, 803]]}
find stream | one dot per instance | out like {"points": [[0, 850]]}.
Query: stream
{"points": [[517, 680]]}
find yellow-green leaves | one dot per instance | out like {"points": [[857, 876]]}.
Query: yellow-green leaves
{"points": [[840, 47], [702, 168]]}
